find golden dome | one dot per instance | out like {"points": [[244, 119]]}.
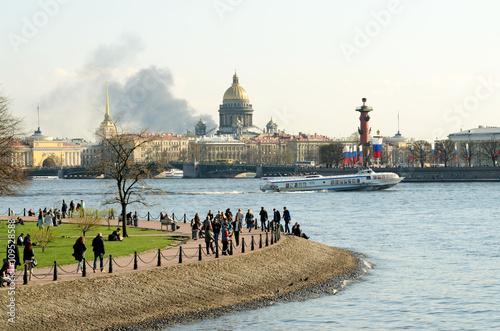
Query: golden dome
{"points": [[235, 92]]}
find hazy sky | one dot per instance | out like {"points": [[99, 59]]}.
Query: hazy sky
{"points": [[305, 63]]}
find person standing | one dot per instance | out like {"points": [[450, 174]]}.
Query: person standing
{"points": [[98, 244], [276, 219], [79, 249], [28, 256], [40, 218], [48, 219], [82, 207], [136, 219], [249, 220], [209, 239], [226, 234], [71, 208], [286, 217], [263, 219], [64, 209], [237, 228], [216, 226], [195, 226]]}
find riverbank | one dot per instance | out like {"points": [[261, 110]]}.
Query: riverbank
{"points": [[159, 297]]}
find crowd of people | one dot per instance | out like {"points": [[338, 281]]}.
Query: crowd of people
{"points": [[225, 226]]}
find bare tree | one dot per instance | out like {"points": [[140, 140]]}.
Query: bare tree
{"points": [[11, 177], [91, 219], [467, 156], [491, 150], [331, 154], [422, 151], [445, 151], [117, 163], [44, 236]]}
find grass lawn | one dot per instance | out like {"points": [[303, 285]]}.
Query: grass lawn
{"points": [[61, 249]]}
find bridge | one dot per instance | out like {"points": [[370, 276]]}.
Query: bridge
{"points": [[214, 170]]}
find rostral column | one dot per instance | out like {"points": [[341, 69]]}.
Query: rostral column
{"points": [[364, 129]]}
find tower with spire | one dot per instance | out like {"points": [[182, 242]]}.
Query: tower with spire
{"points": [[364, 129], [107, 127]]}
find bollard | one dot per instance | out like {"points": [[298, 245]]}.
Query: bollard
{"points": [[148, 216], [243, 245], [231, 247], [159, 258], [110, 264], [267, 239], [173, 216], [253, 244], [25, 276], [199, 252], [180, 254], [216, 250], [8, 212], [24, 212], [135, 260], [55, 270], [84, 268], [185, 218], [260, 241], [272, 237]]}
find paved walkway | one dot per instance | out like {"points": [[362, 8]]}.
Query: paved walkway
{"points": [[148, 259]]}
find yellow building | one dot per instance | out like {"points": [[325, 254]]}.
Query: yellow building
{"points": [[162, 147]]}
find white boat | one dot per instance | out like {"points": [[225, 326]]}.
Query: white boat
{"points": [[42, 177], [174, 173], [366, 179]]}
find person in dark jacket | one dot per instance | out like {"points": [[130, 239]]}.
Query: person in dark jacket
{"points": [[263, 219], [98, 244], [276, 219], [28, 256], [4, 277], [79, 249], [287, 218]]}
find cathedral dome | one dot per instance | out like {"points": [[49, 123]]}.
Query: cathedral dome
{"points": [[235, 92]]}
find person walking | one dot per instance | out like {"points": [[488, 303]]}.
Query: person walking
{"points": [[249, 220], [99, 251], [71, 208], [48, 219], [237, 228], [195, 226], [216, 226], [226, 234], [82, 207], [209, 239], [64, 209], [79, 249], [276, 219], [40, 218], [263, 219], [286, 217], [28, 257]]}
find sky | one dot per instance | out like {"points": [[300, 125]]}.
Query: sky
{"points": [[306, 64]]}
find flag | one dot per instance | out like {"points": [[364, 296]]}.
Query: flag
{"points": [[377, 147], [412, 155], [344, 156], [354, 153], [360, 154], [467, 151], [456, 153], [433, 154]]}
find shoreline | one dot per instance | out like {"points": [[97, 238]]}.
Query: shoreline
{"points": [[151, 299]]}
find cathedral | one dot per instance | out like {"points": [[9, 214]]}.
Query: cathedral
{"points": [[235, 113]]}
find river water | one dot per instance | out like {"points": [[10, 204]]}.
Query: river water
{"points": [[434, 247]]}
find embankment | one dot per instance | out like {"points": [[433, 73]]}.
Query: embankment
{"points": [[159, 297]]}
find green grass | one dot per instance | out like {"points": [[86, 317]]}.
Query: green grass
{"points": [[61, 249]]}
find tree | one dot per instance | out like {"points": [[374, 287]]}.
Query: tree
{"points": [[331, 154], [117, 162], [11, 177], [422, 151], [445, 151], [44, 236], [491, 150], [473, 148], [91, 219]]}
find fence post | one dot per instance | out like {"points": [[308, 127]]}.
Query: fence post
{"points": [[185, 218], [260, 241], [55, 270], [110, 264], [267, 239], [135, 260], [272, 236], [159, 258], [173, 216], [253, 244], [24, 212], [216, 250], [243, 244], [25, 276], [180, 254], [84, 268], [230, 247], [148, 216], [199, 252], [8, 212]]}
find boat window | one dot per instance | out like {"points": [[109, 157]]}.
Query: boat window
{"points": [[337, 181], [368, 177], [358, 180]]}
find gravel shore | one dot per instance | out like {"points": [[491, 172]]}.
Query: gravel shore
{"points": [[153, 299]]}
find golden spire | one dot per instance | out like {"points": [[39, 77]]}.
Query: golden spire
{"points": [[107, 102]]}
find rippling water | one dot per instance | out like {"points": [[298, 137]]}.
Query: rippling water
{"points": [[434, 246]]}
